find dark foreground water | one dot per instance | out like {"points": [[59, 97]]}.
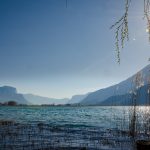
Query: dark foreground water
{"points": [[67, 128]]}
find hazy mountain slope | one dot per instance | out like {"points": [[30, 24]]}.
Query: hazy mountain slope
{"points": [[126, 99], [118, 89], [38, 100], [77, 98], [8, 93]]}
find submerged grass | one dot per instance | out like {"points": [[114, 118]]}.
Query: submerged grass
{"points": [[42, 136]]}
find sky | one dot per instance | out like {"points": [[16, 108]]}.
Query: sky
{"points": [[56, 51]]}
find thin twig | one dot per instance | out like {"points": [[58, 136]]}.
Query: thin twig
{"points": [[122, 31]]}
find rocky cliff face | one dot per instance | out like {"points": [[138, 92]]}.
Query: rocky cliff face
{"points": [[8, 93]]}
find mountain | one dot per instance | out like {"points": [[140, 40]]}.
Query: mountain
{"points": [[120, 89], [127, 99], [39, 100], [77, 98], [8, 93]]}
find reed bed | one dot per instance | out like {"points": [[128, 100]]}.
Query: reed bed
{"points": [[40, 136]]}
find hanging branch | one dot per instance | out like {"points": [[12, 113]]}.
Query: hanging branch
{"points": [[147, 15], [122, 32]]}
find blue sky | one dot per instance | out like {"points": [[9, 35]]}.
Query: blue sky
{"points": [[50, 50]]}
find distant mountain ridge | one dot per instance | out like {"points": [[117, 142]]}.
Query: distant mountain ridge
{"points": [[39, 100], [8, 93], [119, 94], [122, 88], [77, 98]]}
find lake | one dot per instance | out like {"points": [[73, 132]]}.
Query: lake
{"points": [[63, 127], [106, 117]]}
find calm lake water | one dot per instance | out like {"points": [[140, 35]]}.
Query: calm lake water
{"points": [[98, 116]]}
